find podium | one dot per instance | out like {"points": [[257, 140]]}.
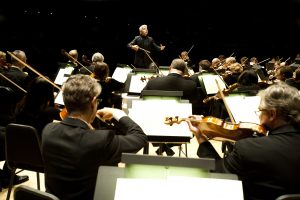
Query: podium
{"points": [[157, 177]]}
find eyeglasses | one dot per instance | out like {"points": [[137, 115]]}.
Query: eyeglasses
{"points": [[259, 111], [98, 101]]}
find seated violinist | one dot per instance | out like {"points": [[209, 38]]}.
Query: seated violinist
{"points": [[73, 150], [295, 81], [110, 87], [185, 56], [269, 165], [97, 57]]}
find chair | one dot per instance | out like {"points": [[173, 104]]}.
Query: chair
{"points": [[23, 151], [24, 192], [289, 197]]}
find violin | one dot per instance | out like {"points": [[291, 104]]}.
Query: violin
{"points": [[144, 78], [218, 129], [225, 92]]}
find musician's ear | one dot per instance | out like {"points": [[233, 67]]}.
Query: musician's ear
{"points": [[273, 114]]}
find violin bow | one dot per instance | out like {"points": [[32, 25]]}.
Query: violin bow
{"points": [[263, 61], [32, 69], [190, 49], [225, 103], [74, 60], [6, 78]]}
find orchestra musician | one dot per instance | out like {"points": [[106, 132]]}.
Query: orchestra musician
{"points": [[110, 87], [73, 150], [37, 108], [16, 74], [97, 57], [174, 81], [268, 166], [143, 45], [184, 55], [295, 81]]}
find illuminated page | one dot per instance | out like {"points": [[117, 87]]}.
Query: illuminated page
{"points": [[183, 187], [59, 98], [243, 108], [151, 115], [210, 84], [178, 188], [137, 189], [62, 75], [136, 84], [120, 74]]}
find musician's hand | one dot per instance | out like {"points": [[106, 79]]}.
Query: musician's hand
{"points": [[194, 127], [135, 47], [162, 47], [109, 113]]}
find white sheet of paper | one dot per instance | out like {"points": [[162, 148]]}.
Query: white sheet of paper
{"points": [[136, 84], [120, 74], [178, 188], [210, 83], [59, 98], [151, 114], [243, 108], [61, 75]]}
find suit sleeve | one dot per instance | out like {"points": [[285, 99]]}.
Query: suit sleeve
{"points": [[133, 140]]}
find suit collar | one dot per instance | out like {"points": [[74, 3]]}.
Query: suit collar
{"points": [[285, 129], [75, 122]]}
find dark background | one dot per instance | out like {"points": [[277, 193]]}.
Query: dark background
{"points": [[246, 28]]}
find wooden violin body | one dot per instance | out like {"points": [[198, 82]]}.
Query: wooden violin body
{"points": [[217, 129]]}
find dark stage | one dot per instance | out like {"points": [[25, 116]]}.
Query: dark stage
{"points": [[245, 28]]}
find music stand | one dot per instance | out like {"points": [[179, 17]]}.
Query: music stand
{"points": [[135, 83], [150, 113]]}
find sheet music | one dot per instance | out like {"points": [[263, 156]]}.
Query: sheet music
{"points": [[136, 84], [151, 114], [243, 108], [178, 188], [210, 83], [62, 75], [120, 74], [59, 98]]}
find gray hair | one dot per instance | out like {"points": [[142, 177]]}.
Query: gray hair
{"points": [[178, 64], [78, 91], [284, 99], [144, 26], [97, 57]]}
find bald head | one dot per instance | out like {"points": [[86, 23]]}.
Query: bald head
{"points": [[21, 55], [74, 54]]}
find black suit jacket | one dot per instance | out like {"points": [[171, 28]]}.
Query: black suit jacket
{"points": [[141, 59], [268, 166], [174, 82], [72, 154]]}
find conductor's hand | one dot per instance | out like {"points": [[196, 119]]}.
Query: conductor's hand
{"points": [[135, 47], [162, 47]]}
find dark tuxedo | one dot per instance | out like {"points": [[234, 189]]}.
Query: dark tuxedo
{"points": [[268, 166], [141, 59], [174, 82], [72, 153], [16, 75]]}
